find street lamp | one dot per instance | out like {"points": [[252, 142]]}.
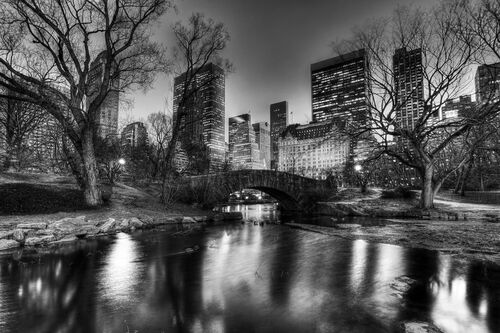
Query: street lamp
{"points": [[358, 168], [121, 161]]}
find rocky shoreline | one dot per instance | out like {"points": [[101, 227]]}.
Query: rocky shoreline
{"points": [[71, 229]]}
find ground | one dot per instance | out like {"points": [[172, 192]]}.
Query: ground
{"points": [[32, 198]]}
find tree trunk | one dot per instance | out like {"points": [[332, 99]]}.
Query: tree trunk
{"points": [[427, 194], [91, 190]]}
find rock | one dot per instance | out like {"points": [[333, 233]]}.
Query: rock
{"points": [[146, 219], [200, 218], [35, 241], [40, 225], [6, 234], [135, 223], [18, 235], [63, 227], [420, 327], [188, 219], [124, 224], [67, 239], [6, 244], [108, 226], [79, 220], [45, 232]]}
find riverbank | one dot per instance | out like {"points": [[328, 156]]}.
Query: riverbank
{"points": [[45, 211], [461, 229]]}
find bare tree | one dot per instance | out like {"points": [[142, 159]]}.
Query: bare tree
{"points": [[160, 132], [445, 73], [18, 120], [68, 56], [199, 43]]}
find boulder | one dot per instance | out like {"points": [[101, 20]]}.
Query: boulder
{"points": [[6, 234], [134, 222], [188, 219], [108, 226], [79, 220], [6, 244], [63, 227], [35, 241], [420, 327], [40, 225], [124, 224], [18, 235], [45, 232], [200, 218]]}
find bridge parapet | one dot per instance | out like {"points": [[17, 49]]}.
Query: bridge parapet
{"points": [[289, 189]]}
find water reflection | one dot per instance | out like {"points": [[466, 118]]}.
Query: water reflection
{"points": [[243, 278]]}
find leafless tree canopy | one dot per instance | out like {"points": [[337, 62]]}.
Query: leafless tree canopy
{"points": [[49, 50]]}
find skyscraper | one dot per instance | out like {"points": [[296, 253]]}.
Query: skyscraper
{"points": [[339, 88], [244, 150], [203, 123], [279, 122], [134, 135], [107, 122], [263, 140], [488, 82], [408, 79]]}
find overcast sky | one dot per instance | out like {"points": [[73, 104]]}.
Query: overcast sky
{"points": [[273, 43]]}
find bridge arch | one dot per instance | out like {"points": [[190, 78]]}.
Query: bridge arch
{"points": [[287, 188]]}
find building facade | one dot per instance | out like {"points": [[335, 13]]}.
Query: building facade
{"points": [[409, 87], [278, 122], [339, 88], [487, 82], [203, 123], [107, 121], [263, 140], [457, 108], [315, 150], [134, 135], [244, 149]]}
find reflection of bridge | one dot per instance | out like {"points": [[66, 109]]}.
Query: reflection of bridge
{"points": [[289, 189]]}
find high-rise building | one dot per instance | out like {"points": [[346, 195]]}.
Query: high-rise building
{"points": [[488, 82], [315, 150], [339, 88], [457, 108], [203, 123], [263, 140], [134, 135], [408, 79], [107, 122], [279, 122], [244, 150]]}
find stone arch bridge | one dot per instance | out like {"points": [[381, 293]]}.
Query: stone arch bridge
{"points": [[291, 191]]}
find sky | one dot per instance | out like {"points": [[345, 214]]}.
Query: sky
{"points": [[273, 43]]}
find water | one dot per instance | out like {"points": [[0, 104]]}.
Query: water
{"points": [[243, 278]]}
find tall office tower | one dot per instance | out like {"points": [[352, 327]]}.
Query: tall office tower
{"points": [[279, 122], [263, 140], [487, 82], [245, 152], [107, 122], [339, 88], [134, 135], [457, 108], [205, 112], [408, 79]]}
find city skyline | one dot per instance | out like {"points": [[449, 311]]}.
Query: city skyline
{"points": [[264, 49]]}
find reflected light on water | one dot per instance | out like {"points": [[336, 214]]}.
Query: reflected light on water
{"points": [[358, 263], [451, 311], [120, 273]]}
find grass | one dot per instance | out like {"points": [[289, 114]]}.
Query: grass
{"points": [[28, 199]]}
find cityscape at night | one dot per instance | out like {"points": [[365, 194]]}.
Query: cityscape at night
{"points": [[236, 166]]}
